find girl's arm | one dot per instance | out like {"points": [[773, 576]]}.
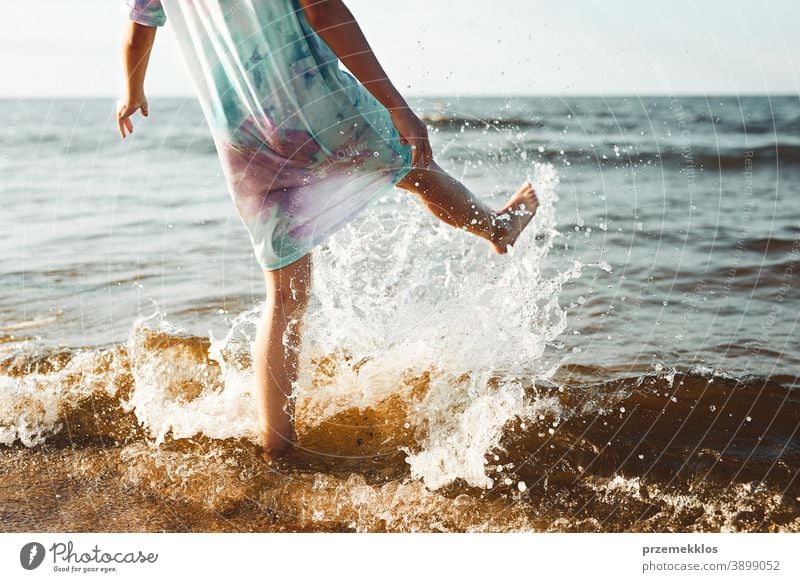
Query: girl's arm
{"points": [[136, 54], [335, 24]]}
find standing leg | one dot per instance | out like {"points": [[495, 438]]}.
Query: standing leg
{"points": [[452, 202], [275, 358]]}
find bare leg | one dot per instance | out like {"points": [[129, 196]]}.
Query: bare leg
{"points": [[275, 354], [452, 202]]}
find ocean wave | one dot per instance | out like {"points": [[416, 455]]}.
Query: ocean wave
{"points": [[580, 452], [445, 121]]}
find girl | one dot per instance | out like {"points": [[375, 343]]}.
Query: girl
{"points": [[304, 147]]}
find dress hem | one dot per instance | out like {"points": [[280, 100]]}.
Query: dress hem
{"points": [[286, 261]]}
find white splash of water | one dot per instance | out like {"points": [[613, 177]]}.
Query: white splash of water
{"points": [[424, 297], [178, 392], [33, 405]]}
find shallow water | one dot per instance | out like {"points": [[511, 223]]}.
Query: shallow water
{"points": [[632, 366]]}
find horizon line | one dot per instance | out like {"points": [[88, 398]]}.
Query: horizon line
{"points": [[455, 95]]}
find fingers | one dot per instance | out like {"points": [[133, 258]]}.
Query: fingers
{"points": [[428, 157], [125, 125], [119, 119], [124, 112], [415, 156], [424, 153], [421, 152], [121, 124], [425, 146]]}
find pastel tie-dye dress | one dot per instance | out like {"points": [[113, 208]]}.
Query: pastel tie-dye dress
{"points": [[304, 146]]}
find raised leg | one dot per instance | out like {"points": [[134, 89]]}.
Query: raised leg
{"points": [[275, 354], [452, 202]]}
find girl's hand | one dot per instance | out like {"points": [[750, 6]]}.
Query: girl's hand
{"points": [[126, 108], [413, 131]]}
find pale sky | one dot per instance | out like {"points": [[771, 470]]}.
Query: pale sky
{"points": [[455, 47]]}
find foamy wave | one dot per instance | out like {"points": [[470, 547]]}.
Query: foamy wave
{"points": [[203, 477], [38, 391], [738, 507], [184, 388]]}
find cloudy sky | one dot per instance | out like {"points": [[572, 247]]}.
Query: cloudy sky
{"points": [[464, 47]]}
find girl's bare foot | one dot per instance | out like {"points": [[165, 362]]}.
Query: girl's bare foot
{"points": [[270, 455], [512, 219], [273, 448]]}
